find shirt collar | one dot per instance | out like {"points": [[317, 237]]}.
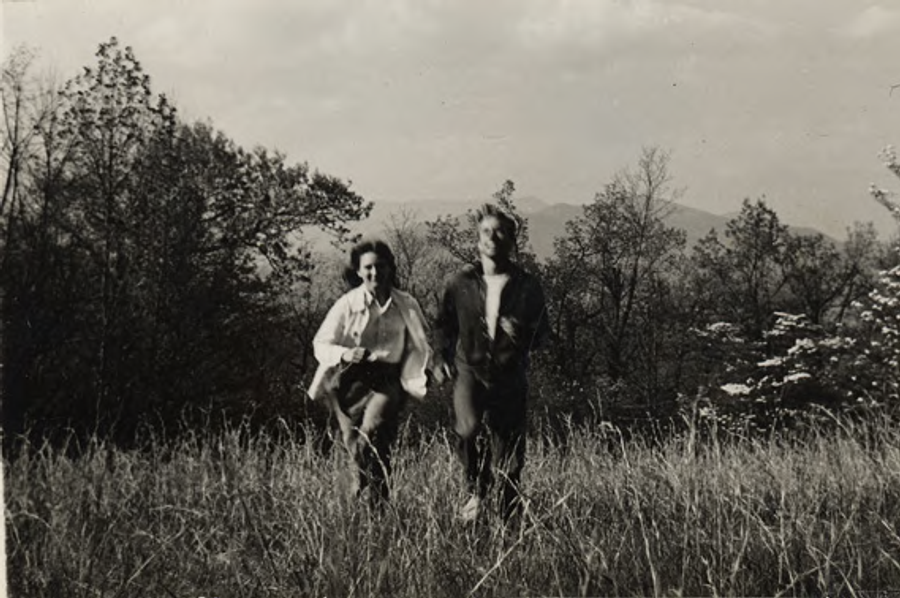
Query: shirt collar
{"points": [[369, 299], [477, 271]]}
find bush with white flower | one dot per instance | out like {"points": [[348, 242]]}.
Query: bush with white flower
{"points": [[857, 362]]}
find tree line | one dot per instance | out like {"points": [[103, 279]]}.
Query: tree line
{"points": [[148, 264], [155, 275]]}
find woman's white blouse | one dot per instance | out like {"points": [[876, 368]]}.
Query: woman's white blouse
{"points": [[347, 325], [385, 333]]}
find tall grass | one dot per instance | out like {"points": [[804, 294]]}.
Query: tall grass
{"points": [[243, 515]]}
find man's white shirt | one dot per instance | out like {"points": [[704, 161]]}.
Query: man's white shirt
{"points": [[495, 284]]}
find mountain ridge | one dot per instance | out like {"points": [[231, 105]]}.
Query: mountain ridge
{"points": [[546, 221]]}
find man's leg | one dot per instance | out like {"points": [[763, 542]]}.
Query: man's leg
{"points": [[506, 420], [468, 408]]}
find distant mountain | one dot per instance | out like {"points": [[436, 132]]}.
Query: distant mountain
{"points": [[546, 225], [550, 223], [529, 205], [546, 221]]}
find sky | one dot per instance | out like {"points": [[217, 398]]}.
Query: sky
{"points": [[445, 99]]}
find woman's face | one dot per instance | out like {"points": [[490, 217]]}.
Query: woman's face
{"points": [[374, 271]]}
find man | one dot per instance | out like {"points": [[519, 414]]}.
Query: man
{"points": [[491, 316]]}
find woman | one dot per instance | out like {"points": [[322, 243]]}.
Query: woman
{"points": [[372, 350]]}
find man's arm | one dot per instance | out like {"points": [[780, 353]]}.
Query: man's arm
{"points": [[538, 318], [446, 332]]}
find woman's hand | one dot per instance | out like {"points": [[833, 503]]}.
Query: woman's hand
{"points": [[355, 355]]}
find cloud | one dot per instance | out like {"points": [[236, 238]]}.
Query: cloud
{"points": [[599, 22], [873, 21]]}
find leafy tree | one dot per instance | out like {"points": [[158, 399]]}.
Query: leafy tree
{"points": [[742, 279], [863, 256], [154, 262], [611, 278], [19, 96], [111, 118], [823, 280], [419, 261], [882, 196], [773, 286], [815, 275]]}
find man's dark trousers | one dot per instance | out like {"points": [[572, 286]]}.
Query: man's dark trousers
{"points": [[493, 402]]}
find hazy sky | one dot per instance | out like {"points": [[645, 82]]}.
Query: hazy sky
{"points": [[446, 99]]}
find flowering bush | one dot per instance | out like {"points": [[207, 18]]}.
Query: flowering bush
{"points": [[800, 364], [877, 364]]}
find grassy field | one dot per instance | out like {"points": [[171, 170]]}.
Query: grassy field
{"points": [[243, 515]]}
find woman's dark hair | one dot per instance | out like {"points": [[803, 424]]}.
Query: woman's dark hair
{"points": [[379, 248]]}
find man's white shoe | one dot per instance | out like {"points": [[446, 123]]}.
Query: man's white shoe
{"points": [[470, 510]]}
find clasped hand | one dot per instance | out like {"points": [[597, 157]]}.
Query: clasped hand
{"points": [[355, 355]]}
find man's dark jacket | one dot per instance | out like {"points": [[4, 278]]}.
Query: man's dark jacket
{"points": [[461, 332]]}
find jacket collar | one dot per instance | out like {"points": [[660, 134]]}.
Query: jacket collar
{"points": [[476, 270]]}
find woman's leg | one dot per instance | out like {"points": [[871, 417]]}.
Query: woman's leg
{"points": [[368, 412], [348, 422], [377, 432]]}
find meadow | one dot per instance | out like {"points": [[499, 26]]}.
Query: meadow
{"points": [[236, 513]]}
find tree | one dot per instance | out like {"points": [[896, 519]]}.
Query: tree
{"points": [[610, 279], [816, 275], [19, 100], [883, 196], [742, 279], [416, 256], [152, 265], [111, 118], [863, 256]]}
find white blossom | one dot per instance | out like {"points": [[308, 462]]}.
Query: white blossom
{"points": [[775, 361], [736, 389]]}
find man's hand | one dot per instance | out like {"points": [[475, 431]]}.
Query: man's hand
{"points": [[509, 326], [444, 371], [377, 355], [355, 355]]}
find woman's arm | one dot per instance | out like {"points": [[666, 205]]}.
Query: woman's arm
{"points": [[328, 344]]}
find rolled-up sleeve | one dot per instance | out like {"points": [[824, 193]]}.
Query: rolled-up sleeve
{"points": [[419, 357]]}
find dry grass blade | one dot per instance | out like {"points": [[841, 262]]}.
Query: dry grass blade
{"points": [[535, 524]]}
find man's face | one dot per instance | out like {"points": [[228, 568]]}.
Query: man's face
{"points": [[493, 238]]}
